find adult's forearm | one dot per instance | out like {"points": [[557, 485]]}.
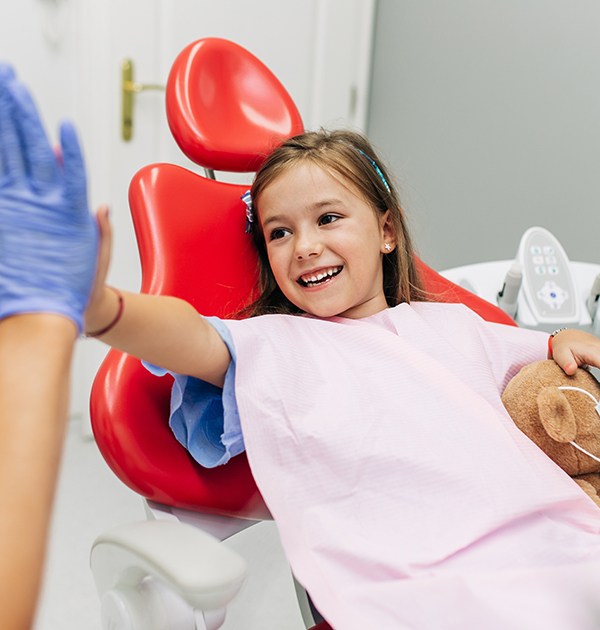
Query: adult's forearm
{"points": [[35, 357]]}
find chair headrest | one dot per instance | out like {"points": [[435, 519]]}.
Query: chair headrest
{"points": [[225, 108]]}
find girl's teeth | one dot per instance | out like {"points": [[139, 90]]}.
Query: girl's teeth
{"points": [[321, 275]]}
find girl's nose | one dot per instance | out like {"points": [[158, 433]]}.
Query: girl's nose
{"points": [[308, 245]]}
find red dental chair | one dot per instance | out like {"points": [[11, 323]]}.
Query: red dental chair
{"points": [[226, 111]]}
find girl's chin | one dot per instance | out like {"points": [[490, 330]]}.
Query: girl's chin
{"points": [[322, 312]]}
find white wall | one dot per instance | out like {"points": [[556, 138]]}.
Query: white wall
{"points": [[489, 112], [37, 37]]}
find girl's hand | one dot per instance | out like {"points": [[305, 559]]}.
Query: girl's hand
{"points": [[574, 348], [100, 306]]}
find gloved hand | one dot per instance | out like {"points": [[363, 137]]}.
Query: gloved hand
{"points": [[48, 238]]}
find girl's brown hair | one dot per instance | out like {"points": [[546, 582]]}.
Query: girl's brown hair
{"points": [[349, 155]]}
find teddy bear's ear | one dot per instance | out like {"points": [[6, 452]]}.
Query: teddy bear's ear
{"points": [[556, 415]]}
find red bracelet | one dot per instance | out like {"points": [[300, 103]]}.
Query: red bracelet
{"points": [[113, 323], [550, 338]]}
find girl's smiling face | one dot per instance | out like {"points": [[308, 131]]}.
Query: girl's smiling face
{"points": [[325, 243]]}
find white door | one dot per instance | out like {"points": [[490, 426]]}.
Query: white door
{"points": [[319, 49]]}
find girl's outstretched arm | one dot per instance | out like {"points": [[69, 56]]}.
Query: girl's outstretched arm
{"points": [[165, 331], [572, 348]]}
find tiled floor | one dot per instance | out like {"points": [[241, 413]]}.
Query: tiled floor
{"points": [[91, 500]]}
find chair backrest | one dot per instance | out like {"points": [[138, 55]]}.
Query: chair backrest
{"points": [[190, 233]]}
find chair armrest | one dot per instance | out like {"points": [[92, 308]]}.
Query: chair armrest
{"points": [[196, 566]]}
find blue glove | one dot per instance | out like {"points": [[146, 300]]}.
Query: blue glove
{"points": [[48, 238]]}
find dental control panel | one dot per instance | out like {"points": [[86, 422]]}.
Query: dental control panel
{"points": [[548, 285], [540, 288]]}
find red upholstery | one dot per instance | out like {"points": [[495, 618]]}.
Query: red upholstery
{"points": [[225, 108], [442, 290]]}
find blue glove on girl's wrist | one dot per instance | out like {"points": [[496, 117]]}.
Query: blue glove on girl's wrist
{"points": [[48, 238]]}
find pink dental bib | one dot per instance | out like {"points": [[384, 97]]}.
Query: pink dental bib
{"points": [[404, 494]]}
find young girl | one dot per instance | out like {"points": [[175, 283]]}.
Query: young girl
{"points": [[404, 494]]}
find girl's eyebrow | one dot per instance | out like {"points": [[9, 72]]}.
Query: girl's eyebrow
{"points": [[276, 218], [319, 205]]}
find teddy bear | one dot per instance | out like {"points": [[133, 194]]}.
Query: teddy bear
{"points": [[560, 420]]}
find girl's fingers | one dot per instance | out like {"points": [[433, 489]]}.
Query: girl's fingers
{"points": [[105, 243], [574, 348], [104, 252], [565, 359]]}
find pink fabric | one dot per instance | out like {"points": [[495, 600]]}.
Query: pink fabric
{"points": [[404, 494]]}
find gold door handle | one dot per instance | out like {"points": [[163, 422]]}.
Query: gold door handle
{"points": [[129, 88]]}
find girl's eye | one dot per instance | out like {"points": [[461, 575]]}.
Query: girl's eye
{"points": [[326, 219], [278, 233]]}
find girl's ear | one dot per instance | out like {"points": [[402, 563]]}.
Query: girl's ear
{"points": [[388, 233]]}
